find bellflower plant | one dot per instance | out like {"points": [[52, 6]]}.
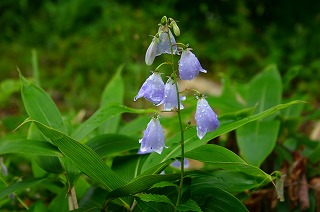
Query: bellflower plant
{"points": [[170, 100], [206, 118], [189, 65], [152, 89], [153, 137], [156, 92]]}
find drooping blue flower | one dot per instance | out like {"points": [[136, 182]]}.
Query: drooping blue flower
{"points": [[206, 118], [151, 51], [164, 42], [153, 138], [189, 65], [170, 100], [152, 89]]}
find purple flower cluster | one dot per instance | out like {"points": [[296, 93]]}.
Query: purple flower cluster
{"points": [[155, 91]]}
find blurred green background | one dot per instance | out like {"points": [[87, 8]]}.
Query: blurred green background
{"points": [[80, 44]]}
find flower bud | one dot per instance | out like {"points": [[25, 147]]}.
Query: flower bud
{"points": [[175, 28], [164, 20], [151, 51]]}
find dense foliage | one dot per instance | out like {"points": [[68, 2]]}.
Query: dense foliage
{"points": [[81, 61]]}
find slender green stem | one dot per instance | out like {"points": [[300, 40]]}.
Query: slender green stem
{"points": [[180, 125]]}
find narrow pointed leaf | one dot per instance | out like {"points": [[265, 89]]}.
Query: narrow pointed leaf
{"points": [[101, 115], [140, 184], [108, 144], [20, 186], [192, 141], [40, 106], [26, 146], [219, 200], [223, 158], [154, 198], [84, 157], [113, 94]]}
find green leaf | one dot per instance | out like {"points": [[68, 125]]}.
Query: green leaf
{"points": [[164, 184], [25, 146], [113, 93], [73, 172], [20, 186], [141, 183], [265, 89], [108, 144], [154, 198], [135, 126], [189, 205], [83, 156], [229, 180], [101, 115], [192, 141], [153, 206], [227, 102], [219, 200], [128, 166], [221, 157], [256, 140], [50, 164], [40, 106]]}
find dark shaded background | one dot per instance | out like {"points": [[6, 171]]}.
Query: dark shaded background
{"points": [[81, 43]]}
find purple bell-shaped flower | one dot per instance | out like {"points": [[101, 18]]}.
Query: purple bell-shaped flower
{"points": [[206, 118], [170, 100], [153, 138], [152, 89], [151, 51], [189, 65], [164, 42]]}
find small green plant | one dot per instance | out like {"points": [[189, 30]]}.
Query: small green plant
{"points": [[99, 165]]}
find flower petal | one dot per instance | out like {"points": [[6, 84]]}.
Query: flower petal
{"points": [[152, 89], [206, 118], [153, 138], [189, 65], [170, 100], [164, 42], [151, 51]]}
